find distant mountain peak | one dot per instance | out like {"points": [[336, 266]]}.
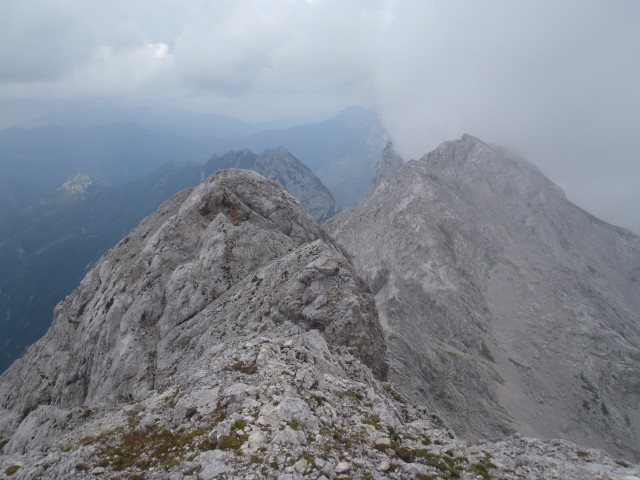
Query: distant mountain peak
{"points": [[501, 169], [80, 183], [279, 165], [389, 162], [518, 309]]}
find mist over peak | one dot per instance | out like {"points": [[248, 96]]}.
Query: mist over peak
{"points": [[556, 82]]}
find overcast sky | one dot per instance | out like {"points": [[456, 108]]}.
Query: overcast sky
{"points": [[558, 81]]}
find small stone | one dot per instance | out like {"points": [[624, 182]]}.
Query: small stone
{"points": [[382, 443], [384, 466], [213, 464], [342, 467], [328, 469], [98, 470], [256, 440], [134, 410], [301, 465], [148, 422], [289, 438], [190, 412]]}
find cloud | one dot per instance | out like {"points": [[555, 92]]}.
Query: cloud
{"points": [[504, 67], [556, 81], [42, 42], [276, 45]]}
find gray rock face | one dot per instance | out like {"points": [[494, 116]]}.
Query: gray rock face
{"points": [[263, 423], [503, 304], [225, 338], [279, 165], [389, 162], [232, 254]]}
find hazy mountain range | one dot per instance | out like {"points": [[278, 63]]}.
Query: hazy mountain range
{"points": [[341, 151]]}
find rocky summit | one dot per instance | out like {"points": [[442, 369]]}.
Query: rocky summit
{"points": [[279, 165], [229, 336], [504, 306]]}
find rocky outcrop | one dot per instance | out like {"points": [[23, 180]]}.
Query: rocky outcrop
{"points": [[234, 253], [284, 403], [228, 336], [503, 304], [389, 162], [79, 184], [65, 232], [279, 165]]}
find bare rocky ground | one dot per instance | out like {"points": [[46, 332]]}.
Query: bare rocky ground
{"points": [[504, 306], [279, 165], [285, 404], [228, 336]]}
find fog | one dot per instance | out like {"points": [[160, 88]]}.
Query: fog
{"points": [[555, 81]]}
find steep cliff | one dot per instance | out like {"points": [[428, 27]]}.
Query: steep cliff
{"points": [[279, 165], [503, 303], [228, 336]]}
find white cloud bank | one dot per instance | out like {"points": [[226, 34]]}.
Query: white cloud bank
{"points": [[554, 80]]}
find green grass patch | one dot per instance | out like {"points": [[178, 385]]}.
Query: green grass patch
{"points": [[447, 466], [486, 353], [582, 454], [242, 367], [351, 394], [482, 469], [11, 469], [393, 394], [158, 446], [373, 420], [239, 424]]}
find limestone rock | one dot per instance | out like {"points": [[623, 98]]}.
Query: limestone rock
{"points": [[213, 464], [189, 353], [342, 467], [389, 162], [279, 165], [235, 252], [504, 306]]}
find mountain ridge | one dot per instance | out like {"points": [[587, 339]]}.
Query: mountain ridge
{"points": [[63, 234], [229, 336], [482, 267], [345, 146], [280, 165]]}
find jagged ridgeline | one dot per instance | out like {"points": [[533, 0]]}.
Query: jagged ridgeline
{"points": [[503, 304], [228, 336], [65, 232], [229, 255], [280, 165]]}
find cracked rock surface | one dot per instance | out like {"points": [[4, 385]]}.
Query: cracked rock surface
{"points": [[504, 306], [228, 336]]}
